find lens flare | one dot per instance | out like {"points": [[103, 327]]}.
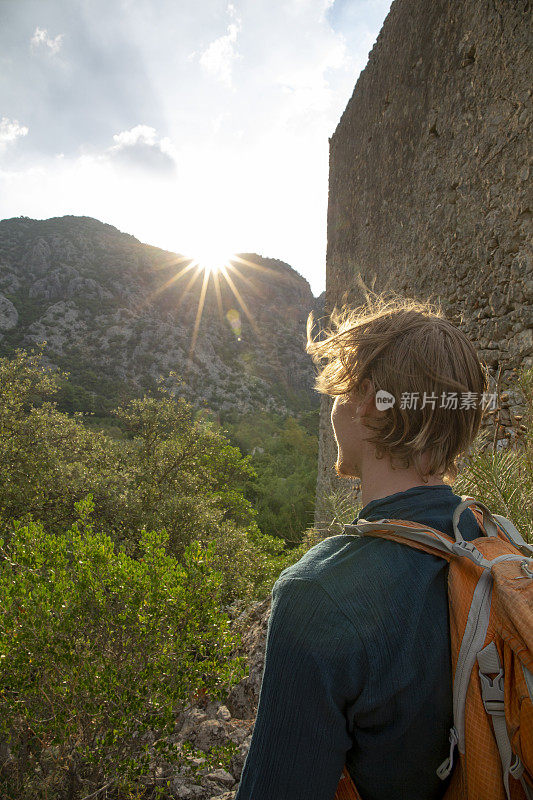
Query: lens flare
{"points": [[234, 319]]}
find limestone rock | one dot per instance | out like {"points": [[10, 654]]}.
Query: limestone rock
{"points": [[242, 700], [221, 776], [224, 796], [8, 314], [211, 724]]}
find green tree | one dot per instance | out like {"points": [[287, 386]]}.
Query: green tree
{"points": [[169, 470], [284, 454]]}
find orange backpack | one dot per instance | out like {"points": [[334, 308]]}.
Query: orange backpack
{"points": [[490, 594]]}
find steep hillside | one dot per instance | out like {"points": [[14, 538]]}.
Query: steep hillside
{"points": [[119, 314]]}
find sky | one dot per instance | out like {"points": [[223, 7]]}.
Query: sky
{"points": [[199, 126]]}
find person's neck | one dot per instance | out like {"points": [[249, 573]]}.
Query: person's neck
{"points": [[378, 480]]}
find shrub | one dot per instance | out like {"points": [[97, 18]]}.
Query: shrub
{"points": [[503, 479], [98, 652]]}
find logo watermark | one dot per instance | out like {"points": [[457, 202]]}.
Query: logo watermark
{"points": [[384, 400], [448, 400]]}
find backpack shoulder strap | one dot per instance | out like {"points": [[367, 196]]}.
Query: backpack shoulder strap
{"points": [[423, 538], [483, 515], [514, 536], [431, 540], [493, 524]]}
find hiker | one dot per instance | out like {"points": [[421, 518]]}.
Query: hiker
{"points": [[357, 668]]}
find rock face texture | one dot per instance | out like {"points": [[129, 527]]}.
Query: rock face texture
{"points": [[119, 315], [430, 191]]}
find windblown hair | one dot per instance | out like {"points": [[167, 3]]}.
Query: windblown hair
{"points": [[404, 346]]}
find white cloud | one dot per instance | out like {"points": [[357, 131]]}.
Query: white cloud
{"points": [[10, 130], [219, 57], [41, 37], [330, 55], [140, 133], [142, 147]]}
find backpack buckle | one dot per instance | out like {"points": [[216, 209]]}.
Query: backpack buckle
{"points": [[517, 768], [492, 693], [468, 549]]}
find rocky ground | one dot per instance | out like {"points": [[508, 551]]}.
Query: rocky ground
{"points": [[205, 725]]}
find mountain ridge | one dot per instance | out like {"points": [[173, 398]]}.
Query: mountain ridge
{"points": [[107, 225], [121, 315]]}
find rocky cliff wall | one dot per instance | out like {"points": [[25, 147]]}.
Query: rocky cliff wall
{"points": [[430, 191]]}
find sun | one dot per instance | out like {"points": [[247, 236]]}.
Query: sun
{"points": [[222, 267], [212, 260]]}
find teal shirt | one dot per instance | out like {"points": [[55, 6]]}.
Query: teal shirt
{"points": [[357, 665]]}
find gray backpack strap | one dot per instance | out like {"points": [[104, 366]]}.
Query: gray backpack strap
{"points": [[425, 536], [514, 535], [473, 638], [489, 523], [493, 695]]}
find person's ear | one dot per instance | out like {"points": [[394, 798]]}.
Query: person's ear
{"points": [[367, 401]]}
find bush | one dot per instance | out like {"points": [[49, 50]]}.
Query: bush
{"points": [[98, 652], [503, 479], [181, 473]]}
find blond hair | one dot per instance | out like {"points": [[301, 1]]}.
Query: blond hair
{"points": [[404, 346]]}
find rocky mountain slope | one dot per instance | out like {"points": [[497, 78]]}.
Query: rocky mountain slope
{"points": [[120, 315]]}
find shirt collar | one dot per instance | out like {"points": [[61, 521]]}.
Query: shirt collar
{"points": [[393, 502]]}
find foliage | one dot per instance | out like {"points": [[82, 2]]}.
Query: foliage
{"points": [[340, 507], [49, 459], [168, 470], [284, 455], [503, 479], [183, 473], [97, 653]]}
